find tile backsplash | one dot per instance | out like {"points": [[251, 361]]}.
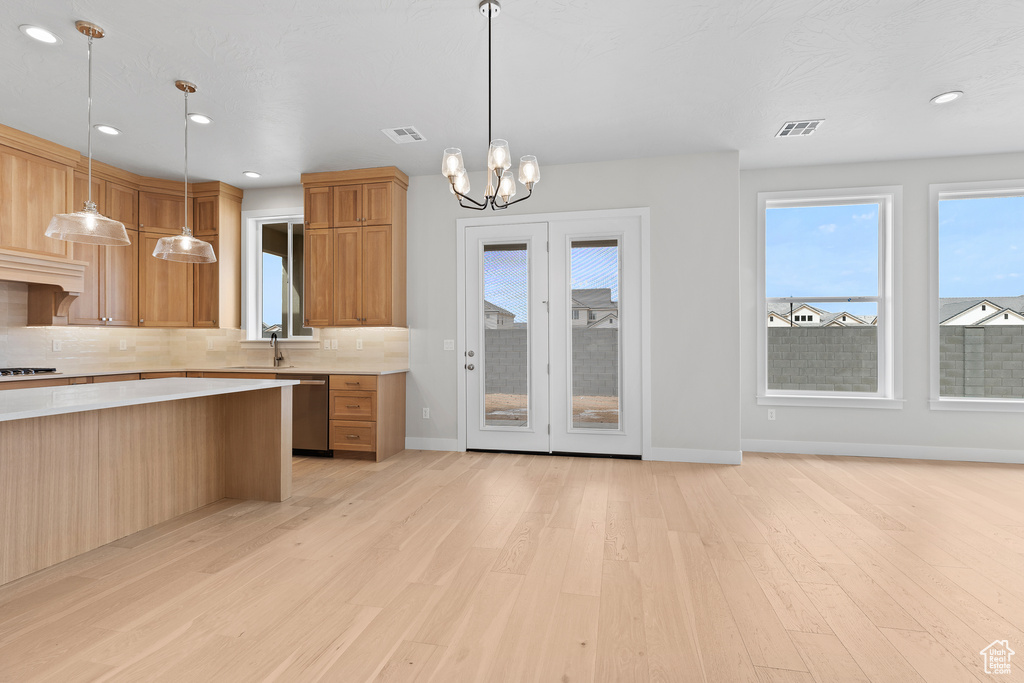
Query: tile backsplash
{"points": [[88, 349]]}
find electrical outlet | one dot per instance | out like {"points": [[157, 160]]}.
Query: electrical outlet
{"points": [[334, 344], [209, 344], [359, 344], [327, 344], [123, 345], [56, 344], [771, 414], [426, 413], [449, 344]]}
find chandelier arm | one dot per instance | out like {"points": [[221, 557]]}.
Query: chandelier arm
{"points": [[476, 205], [508, 204]]}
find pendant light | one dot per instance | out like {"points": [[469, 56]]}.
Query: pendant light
{"points": [[501, 184], [88, 225], [185, 247]]}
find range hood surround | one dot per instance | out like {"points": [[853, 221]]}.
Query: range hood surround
{"points": [[53, 283]]}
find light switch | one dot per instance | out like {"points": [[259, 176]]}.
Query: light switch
{"points": [[327, 344], [209, 344], [359, 344], [56, 344], [334, 344], [449, 344], [123, 345]]}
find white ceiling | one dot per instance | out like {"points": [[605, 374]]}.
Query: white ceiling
{"points": [[306, 85]]}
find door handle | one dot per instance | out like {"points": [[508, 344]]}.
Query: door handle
{"points": [[470, 367]]}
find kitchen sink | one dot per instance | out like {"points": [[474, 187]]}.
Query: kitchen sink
{"points": [[258, 367]]}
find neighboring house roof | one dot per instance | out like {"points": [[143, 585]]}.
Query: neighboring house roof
{"points": [[610, 316], [783, 309], [950, 307], [1014, 315], [593, 298], [494, 308]]}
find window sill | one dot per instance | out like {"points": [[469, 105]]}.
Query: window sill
{"points": [[987, 405], [295, 343], [877, 402]]}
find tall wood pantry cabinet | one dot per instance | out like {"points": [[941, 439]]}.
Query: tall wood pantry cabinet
{"points": [[355, 232]]}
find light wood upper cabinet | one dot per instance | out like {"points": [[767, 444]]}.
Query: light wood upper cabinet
{"points": [[318, 278], [87, 308], [348, 280], [357, 276], [207, 289], [32, 191], [206, 216], [318, 207], [122, 205], [165, 287], [376, 275], [158, 211], [366, 204]]}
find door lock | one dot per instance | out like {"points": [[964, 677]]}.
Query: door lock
{"points": [[470, 353], [470, 366]]}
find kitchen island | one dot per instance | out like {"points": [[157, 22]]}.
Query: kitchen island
{"points": [[84, 465]]}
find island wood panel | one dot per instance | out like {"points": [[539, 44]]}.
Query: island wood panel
{"points": [[48, 479], [256, 429], [32, 191], [390, 415]]}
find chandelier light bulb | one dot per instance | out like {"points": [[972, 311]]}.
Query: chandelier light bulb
{"points": [[498, 156], [461, 184], [529, 171], [451, 162], [507, 186]]}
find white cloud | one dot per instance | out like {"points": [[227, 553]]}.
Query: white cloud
{"points": [[869, 216], [829, 227]]}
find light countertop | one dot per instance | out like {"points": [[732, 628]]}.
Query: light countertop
{"points": [[233, 369], [19, 404]]}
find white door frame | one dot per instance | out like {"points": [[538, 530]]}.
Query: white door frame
{"points": [[643, 213]]}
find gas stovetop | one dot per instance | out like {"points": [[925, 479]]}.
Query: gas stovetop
{"points": [[7, 372]]}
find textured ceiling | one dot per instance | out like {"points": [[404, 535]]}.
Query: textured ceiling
{"points": [[306, 85]]}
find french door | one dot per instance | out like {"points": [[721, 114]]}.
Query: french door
{"points": [[553, 336]]}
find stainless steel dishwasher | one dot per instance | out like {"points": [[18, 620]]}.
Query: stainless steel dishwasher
{"points": [[309, 415]]}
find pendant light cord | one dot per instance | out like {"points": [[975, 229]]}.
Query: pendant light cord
{"points": [[490, 13], [186, 160], [90, 119]]}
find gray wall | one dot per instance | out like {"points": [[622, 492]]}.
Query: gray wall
{"points": [[982, 361], [823, 358], [595, 361]]}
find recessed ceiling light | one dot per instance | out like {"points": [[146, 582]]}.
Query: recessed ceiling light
{"points": [[947, 97], [109, 130], [200, 118], [250, 174], [40, 34]]}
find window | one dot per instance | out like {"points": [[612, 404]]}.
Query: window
{"points": [[978, 354], [829, 253], [591, 316], [274, 258], [575, 315]]}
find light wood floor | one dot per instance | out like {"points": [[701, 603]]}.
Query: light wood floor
{"points": [[481, 567]]}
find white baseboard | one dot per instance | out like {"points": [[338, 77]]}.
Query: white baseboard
{"points": [[696, 455], [417, 443], [872, 450]]}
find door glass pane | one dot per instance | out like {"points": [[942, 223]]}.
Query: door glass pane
{"points": [[506, 360], [594, 320]]}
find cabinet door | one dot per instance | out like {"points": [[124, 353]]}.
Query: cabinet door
{"points": [[376, 265], [87, 308], [318, 278], [165, 287], [318, 208], [161, 211], [207, 289], [32, 191], [377, 204], [205, 221], [120, 272], [348, 206], [348, 280]]}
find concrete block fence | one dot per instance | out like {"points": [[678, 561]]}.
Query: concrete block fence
{"points": [[823, 358], [981, 361], [595, 361]]}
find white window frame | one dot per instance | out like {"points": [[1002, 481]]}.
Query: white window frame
{"points": [[890, 384], [252, 284], [936, 193]]}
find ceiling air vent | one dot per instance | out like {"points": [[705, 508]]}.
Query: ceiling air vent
{"points": [[403, 135], [794, 128]]}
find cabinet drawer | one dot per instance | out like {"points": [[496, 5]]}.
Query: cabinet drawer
{"points": [[354, 382], [353, 436], [354, 405]]}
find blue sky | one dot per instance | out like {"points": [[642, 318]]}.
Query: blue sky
{"points": [[981, 247], [273, 276], [505, 275]]}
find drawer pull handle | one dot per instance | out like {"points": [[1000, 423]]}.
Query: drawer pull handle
{"points": [[352, 384], [353, 406], [352, 436]]}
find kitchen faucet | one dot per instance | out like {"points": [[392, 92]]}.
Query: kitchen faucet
{"points": [[278, 356]]}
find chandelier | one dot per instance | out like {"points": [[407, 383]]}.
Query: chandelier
{"points": [[501, 185]]}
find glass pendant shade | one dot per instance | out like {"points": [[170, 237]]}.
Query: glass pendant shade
{"points": [[451, 162], [507, 186], [185, 248], [88, 226], [461, 184], [529, 171], [498, 155]]}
